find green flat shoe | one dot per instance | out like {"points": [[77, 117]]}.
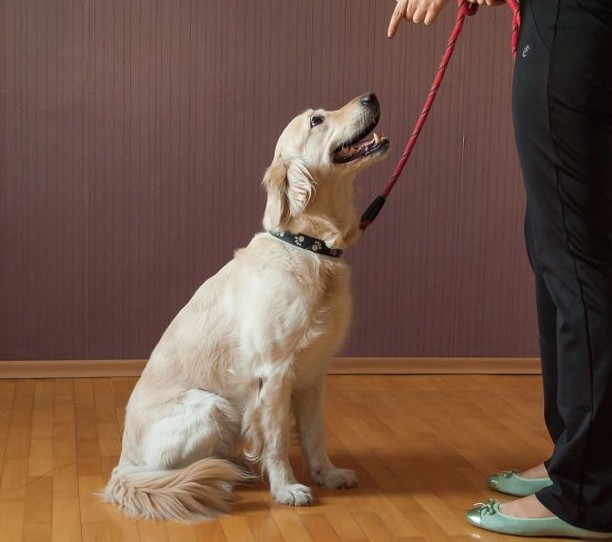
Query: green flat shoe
{"points": [[509, 482], [487, 516]]}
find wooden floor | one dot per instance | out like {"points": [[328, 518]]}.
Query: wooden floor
{"points": [[422, 447]]}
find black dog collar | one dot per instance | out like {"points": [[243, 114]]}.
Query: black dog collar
{"points": [[307, 243]]}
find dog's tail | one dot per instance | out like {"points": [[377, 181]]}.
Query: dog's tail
{"points": [[199, 491]]}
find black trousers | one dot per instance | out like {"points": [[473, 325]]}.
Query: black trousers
{"points": [[562, 107]]}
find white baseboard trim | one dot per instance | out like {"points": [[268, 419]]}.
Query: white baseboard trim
{"points": [[341, 365]]}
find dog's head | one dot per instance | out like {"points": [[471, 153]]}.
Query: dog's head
{"points": [[319, 153]]}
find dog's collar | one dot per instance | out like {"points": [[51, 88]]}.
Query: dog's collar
{"points": [[307, 243]]}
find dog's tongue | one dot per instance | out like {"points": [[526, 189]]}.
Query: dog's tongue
{"points": [[349, 151]]}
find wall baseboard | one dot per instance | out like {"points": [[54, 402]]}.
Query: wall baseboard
{"points": [[424, 365], [341, 365]]}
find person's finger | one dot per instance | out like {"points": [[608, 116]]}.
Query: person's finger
{"points": [[396, 18], [432, 15], [419, 14], [411, 9]]}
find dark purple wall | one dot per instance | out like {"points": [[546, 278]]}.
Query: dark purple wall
{"points": [[134, 135]]}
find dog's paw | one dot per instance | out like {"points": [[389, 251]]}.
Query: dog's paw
{"points": [[293, 494], [337, 478]]}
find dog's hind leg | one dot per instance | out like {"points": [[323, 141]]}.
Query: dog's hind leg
{"points": [[195, 425], [308, 408], [174, 460]]}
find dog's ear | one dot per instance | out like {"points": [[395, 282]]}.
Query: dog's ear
{"points": [[276, 214], [289, 190], [301, 187]]}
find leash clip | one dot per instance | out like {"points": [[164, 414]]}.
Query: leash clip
{"points": [[372, 212]]}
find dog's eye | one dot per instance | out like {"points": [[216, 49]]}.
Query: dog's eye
{"points": [[317, 119]]}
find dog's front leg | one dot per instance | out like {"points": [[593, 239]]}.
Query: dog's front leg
{"points": [[274, 405], [308, 407]]}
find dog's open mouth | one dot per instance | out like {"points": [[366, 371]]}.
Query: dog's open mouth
{"points": [[359, 146]]}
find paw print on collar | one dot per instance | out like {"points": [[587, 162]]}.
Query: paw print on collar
{"points": [[306, 242]]}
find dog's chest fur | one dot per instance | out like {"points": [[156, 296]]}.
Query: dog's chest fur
{"points": [[307, 304]]}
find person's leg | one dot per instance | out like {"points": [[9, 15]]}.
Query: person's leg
{"points": [[563, 122], [537, 161], [547, 331], [580, 104]]}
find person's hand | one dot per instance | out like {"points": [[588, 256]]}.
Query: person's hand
{"points": [[424, 11], [417, 11], [488, 2]]}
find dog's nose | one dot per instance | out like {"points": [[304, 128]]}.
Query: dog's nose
{"points": [[369, 99]]}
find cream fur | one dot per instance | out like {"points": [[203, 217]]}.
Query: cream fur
{"points": [[250, 348]]}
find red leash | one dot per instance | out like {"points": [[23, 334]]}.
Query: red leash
{"points": [[465, 9]]}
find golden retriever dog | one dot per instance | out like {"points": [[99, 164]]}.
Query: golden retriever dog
{"points": [[249, 350]]}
